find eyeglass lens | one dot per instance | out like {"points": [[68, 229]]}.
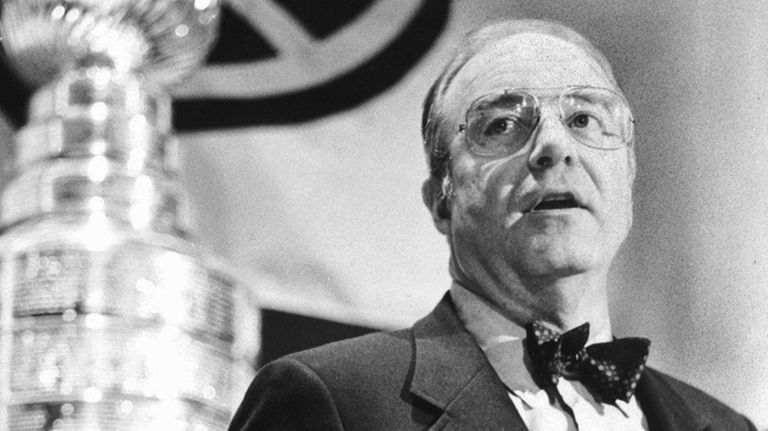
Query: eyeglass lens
{"points": [[503, 123]]}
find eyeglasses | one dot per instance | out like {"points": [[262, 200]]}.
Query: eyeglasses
{"points": [[501, 124]]}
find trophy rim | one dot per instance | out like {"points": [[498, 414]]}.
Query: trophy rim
{"points": [[162, 40]]}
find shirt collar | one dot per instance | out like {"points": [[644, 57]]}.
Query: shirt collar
{"points": [[500, 339]]}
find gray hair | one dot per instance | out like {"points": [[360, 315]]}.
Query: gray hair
{"points": [[435, 138]]}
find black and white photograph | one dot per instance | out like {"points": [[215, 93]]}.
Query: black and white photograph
{"points": [[286, 215]]}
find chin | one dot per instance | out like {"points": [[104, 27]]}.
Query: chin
{"points": [[556, 258]]}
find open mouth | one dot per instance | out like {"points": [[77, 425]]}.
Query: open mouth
{"points": [[556, 201]]}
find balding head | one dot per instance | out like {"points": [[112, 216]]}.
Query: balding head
{"points": [[435, 136]]}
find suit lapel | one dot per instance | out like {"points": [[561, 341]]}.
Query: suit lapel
{"points": [[664, 409], [451, 373]]}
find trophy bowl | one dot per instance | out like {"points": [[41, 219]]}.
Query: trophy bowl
{"points": [[159, 39]]}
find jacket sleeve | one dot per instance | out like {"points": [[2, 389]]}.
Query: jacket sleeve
{"points": [[287, 395]]}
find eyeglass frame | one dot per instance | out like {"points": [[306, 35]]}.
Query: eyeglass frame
{"points": [[537, 105]]}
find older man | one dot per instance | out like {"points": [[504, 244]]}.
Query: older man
{"points": [[530, 146]]}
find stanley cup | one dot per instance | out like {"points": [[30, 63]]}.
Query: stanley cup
{"points": [[111, 318]]}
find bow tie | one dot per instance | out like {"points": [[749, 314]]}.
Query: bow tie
{"points": [[609, 370]]}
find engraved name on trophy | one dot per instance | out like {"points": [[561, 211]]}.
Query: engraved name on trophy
{"points": [[110, 317]]}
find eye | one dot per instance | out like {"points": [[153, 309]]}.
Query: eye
{"points": [[579, 121], [501, 126], [493, 130]]}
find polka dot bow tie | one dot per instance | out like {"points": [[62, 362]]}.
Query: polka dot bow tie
{"points": [[609, 370]]}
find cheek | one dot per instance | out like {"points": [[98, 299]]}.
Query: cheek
{"points": [[617, 191], [609, 175], [484, 187], [483, 210], [470, 197]]}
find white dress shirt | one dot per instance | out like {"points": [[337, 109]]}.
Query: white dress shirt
{"points": [[501, 340]]}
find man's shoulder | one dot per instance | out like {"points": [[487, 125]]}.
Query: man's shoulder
{"points": [[691, 394], [387, 350], [379, 352], [720, 415], [362, 382], [350, 381]]}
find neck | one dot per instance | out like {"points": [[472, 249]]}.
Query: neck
{"points": [[567, 302], [562, 302]]}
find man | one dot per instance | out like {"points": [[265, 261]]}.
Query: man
{"points": [[530, 146]]}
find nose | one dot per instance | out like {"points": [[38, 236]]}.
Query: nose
{"points": [[552, 145]]}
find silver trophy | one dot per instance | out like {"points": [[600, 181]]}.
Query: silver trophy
{"points": [[111, 318]]}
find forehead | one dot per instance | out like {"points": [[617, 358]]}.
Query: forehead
{"points": [[525, 60]]}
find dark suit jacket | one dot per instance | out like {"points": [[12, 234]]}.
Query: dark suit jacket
{"points": [[430, 377]]}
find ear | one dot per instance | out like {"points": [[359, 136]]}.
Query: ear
{"points": [[437, 203]]}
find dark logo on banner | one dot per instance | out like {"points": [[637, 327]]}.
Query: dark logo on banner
{"points": [[289, 61]]}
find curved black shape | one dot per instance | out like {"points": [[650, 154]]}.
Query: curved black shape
{"points": [[238, 42], [343, 92], [324, 18]]}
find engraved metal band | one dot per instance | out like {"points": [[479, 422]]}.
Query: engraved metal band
{"points": [[89, 357], [135, 280], [98, 184]]}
